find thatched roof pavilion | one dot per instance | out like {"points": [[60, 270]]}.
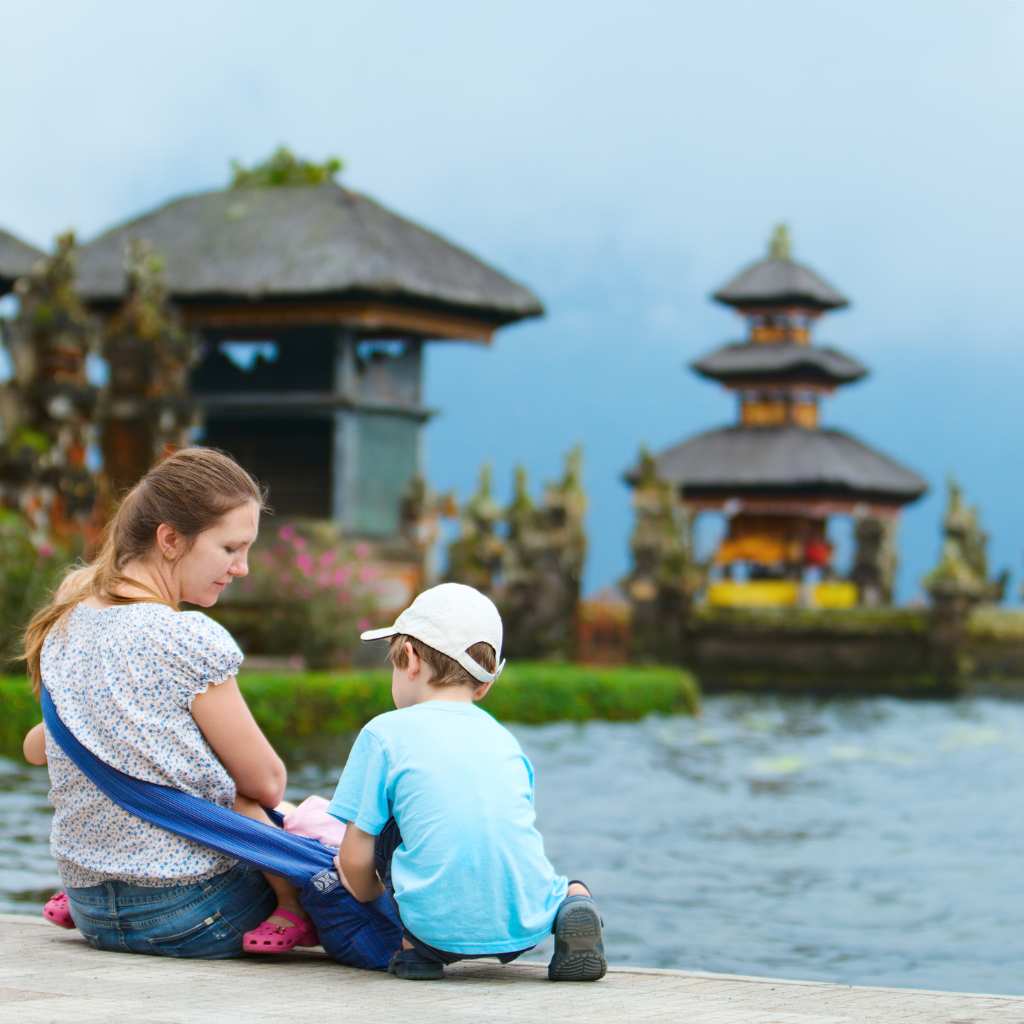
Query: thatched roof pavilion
{"points": [[314, 304], [16, 260], [309, 253]]}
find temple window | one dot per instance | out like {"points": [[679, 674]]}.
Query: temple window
{"points": [[246, 354], [389, 370]]}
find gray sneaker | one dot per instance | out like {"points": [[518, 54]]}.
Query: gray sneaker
{"points": [[579, 949]]}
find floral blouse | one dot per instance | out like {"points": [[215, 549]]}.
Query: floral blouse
{"points": [[123, 680]]}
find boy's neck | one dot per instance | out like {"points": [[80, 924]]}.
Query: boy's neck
{"points": [[452, 694]]}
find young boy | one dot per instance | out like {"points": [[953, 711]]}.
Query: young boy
{"points": [[438, 798]]}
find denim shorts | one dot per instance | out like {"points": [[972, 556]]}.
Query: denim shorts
{"points": [[204, 920]]}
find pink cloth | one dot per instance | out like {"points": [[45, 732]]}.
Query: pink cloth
{"points": [[311, 819]]}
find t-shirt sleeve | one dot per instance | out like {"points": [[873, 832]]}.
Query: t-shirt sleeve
{"points": [[199, 652], [361, 797]]}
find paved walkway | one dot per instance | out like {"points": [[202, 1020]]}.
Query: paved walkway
{"points": [[51, 975]]}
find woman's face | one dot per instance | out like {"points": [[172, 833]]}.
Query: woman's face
{"points": [[219, 555]]}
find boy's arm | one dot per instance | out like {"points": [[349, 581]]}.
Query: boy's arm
{"points": [[34, 745], [356, 865]]}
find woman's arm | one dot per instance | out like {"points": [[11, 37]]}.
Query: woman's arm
{"points": [[225, 720], [34, 745], [356, 865]]}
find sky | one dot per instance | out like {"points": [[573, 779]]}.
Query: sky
{"points": [[623, 161]]}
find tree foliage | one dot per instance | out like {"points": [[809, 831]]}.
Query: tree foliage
{"points": [[283, 167]]}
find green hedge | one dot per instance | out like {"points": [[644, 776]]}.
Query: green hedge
{"points": [[302, 705], [994, 623]]}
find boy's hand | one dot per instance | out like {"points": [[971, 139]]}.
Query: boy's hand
{"points": [[341, 873], [356, 867]]}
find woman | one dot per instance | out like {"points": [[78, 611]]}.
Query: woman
{"points": [[152, 691]]}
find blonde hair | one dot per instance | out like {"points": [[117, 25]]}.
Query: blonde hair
{"points": [[445, 671], [189, 491]]}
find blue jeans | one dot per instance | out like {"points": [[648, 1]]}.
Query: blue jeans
{"points": [[204, 920]]}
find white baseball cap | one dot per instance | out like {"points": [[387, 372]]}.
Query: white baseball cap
{"points": [[451, 617]]}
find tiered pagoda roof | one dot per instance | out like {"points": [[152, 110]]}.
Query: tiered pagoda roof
{"points": [[16, 259], [779, 281], [748, 361], [294, 245], [737, 462], [779, 451]]}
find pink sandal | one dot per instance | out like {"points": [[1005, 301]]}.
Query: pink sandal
{"points": [[58, 910], [277, 938]]}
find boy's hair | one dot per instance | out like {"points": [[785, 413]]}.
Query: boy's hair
{"points": [[445, 671]]}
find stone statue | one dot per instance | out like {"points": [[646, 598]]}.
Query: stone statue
{"points": [[664, 577], [46, 408], [963, 564], [521, 576], [146, 411], [475, 556], [554, 552], [420, 515], [875, 560], [529, 557]]}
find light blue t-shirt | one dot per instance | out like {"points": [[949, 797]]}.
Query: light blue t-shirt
{"points": [[470, 875]]}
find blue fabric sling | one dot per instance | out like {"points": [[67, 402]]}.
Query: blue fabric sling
{"points": [[353, 933]]}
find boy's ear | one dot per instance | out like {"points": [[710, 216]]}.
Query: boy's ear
{"points": [[480, 691], [413, 664]]}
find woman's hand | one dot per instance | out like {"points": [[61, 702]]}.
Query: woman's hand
{"points": [[225, 720]]}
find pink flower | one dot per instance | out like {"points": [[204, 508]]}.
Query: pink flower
{"points": [[45, 550], [362, 625], [362, 551], [305, 563], [341, 576], [327, 559], [299, 544], [286, 533], [367, 575]]}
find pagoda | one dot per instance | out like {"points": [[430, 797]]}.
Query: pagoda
{"points": [[778, 475], [313, 304]]}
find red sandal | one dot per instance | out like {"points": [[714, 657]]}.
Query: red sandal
{"points": [[279, 938], [58, 910]]}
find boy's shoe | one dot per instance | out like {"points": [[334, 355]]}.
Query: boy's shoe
{"points": [[410, 966], [579, 947]]}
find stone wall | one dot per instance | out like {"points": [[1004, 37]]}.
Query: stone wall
{"points": [[843, 652]]}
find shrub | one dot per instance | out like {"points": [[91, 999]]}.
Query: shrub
{"points": [[28, 573], [293, 708], [306, 594]]}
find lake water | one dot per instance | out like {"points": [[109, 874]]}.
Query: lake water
{"points": [[870, 842]]}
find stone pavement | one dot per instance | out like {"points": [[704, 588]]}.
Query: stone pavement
{"points": [[47, 974]]}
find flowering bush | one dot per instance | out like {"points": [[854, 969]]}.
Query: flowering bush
{"points": [[315, 597], [28, 573]]}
